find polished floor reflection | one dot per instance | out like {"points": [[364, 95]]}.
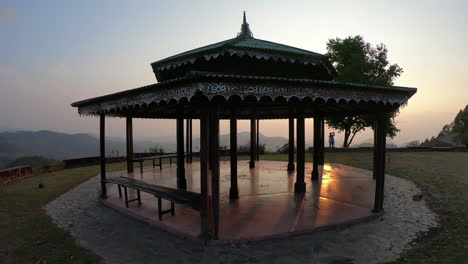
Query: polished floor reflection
{"points": [[267, 205]]}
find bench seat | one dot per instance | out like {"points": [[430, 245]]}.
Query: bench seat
{"points": [[183, 197], [160, 157]]}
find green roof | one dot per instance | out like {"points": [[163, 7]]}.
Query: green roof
{"points": [[238, 42], [243, 42]]}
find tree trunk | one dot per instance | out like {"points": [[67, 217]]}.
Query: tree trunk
{"points": [[346, 138], [351, 140]]}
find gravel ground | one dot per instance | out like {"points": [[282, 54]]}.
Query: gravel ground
{"points": [[118, 238]]}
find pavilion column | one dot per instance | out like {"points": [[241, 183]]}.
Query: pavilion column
{"points": [[214, 153], [374, 171], [258, 140], [253, 144], [181, 181], [291, 166], [234, 190], [187, 144], [380, 163], [300, 185], [322, 141], [190, 141], [317, 132], [102, 152], [205, 181], [129, 137]]}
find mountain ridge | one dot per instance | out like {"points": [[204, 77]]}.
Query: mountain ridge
{"points": [[59, 145]]}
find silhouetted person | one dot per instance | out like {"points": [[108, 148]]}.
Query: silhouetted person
{"points": [[331, 139]]}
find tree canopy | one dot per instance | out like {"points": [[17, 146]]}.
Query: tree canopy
{"points": [[458, 128], [357, 61], [459, 123]]}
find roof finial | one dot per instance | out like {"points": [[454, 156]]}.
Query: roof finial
{"points": [[245, 30]]}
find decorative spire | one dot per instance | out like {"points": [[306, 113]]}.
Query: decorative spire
{"points": [[245, 30]]}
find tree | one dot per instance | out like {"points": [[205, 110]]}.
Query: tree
{"points": [[414, 143], [459, 127], [157, 149], [357, 61], [459, 122], [464, 138], [446, 130], [246, 148], [351, 126]]}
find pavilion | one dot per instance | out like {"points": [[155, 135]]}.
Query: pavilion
{"points": [[251, 79]]}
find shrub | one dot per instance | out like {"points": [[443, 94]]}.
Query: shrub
{"points": [[157, 149], [246, 148]]}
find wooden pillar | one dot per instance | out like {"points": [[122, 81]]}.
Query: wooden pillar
{"points": [[258, 140], [181, 181], [291, 166], [129, 137], [102, 152], [214, 152], [315, 171], [322, 141], [190, 142], [300, 185], [187, 144], [380, 163], [374, 171], [253, 144], [234, 190], [205, 180], [209, 145]]}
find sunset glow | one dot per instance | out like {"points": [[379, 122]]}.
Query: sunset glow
{"points": [[55, 53]]}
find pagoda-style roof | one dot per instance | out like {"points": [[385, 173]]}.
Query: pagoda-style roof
{"points": [[233, 55], [257, 78]]}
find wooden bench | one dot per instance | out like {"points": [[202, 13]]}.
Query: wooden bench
{"points": [[183, 197], [160, 157]]}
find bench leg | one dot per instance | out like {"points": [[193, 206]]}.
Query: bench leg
{"points": [[159, 209], [141, 166], [153, 163], [126, 196], [160, 163], [170, 161], [120, 190], [172, 208], [138, 197]]}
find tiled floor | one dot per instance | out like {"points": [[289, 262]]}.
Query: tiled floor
{"points": [[267, 205]]}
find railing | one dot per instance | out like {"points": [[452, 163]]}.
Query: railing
{"points": [[18, 173], [407, 149]]}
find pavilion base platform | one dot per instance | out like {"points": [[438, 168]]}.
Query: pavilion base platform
{"points": [[267, 206]]}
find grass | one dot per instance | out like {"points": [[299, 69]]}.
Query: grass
{"points": [[29, 236]]}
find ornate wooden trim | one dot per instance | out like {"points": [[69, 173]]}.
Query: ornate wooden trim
{"points": [[265, 90]]}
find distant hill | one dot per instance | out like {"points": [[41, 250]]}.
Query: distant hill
{"points": [[59, 146], [47, 144]]}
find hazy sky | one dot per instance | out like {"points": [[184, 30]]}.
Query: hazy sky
{"points": [[53, 53]]}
